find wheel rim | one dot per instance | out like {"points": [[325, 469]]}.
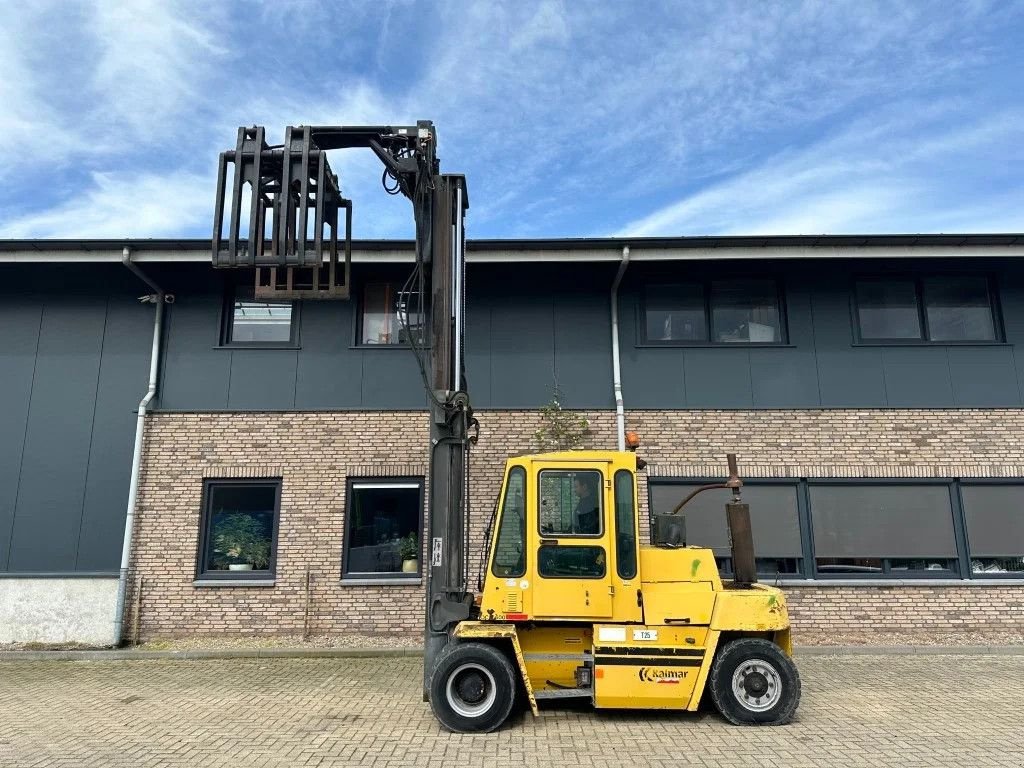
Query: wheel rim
{"points": [[471, 690], [757, 685]]}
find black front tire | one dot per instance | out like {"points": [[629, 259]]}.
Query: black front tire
{"points": [[472, 688], [754, 683]]}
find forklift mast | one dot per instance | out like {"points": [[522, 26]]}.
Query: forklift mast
{"points": [[288, 203]]}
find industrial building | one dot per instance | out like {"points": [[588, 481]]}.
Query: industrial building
{"points": [[869, 384]]}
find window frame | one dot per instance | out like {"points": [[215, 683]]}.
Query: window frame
{"points": [[390, 576], [357, 322], [995, 308], [705, 284], [205, 517], [231, 293]]}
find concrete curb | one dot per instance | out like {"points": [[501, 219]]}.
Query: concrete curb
{"points": [[909, 650], [222, 653], [386, 653]]}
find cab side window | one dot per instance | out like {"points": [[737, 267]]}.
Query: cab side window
{"points": [[510, 549], [625, 537], [571, 503]]}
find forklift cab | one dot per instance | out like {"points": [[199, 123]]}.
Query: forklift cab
{"points": [[565, 543]]}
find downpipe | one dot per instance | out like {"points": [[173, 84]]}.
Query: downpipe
{"points": [[160, 298], [620, 411]]}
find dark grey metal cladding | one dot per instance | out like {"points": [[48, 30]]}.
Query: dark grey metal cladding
{"points": [[848, 376], [548, 327], [522, 351], [983, 377], [583, 348], [74, 355], [124, 366], [20, 317], [330, 372], [823, 364], [391, 380], [196, 374], [478, 350], [787, 377], [57, 447], [917, 377]]}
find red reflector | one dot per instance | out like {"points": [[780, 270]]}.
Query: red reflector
{"points": [[515, 616]]}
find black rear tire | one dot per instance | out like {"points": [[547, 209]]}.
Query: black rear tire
{"points": [[472, 688], [754, 683]]}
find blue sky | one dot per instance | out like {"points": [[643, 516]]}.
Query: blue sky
{"points": [[571, 119]]}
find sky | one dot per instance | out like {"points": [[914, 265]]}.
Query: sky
{"points": [[570, 119]]}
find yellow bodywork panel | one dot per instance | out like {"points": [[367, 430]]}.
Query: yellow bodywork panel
{"points": [[676, 564], [485, 630], [757, 608], [647, 667], [553, 654], [678, 603]]}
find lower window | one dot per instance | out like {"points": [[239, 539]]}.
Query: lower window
{"points": [[885, 529], [239, 528], [994, 517], [382, 528], [555, 561]]}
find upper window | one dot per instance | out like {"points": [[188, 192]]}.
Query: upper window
{"points": [[389, 316], [251, 322], [714, 312], [382, 528], [570, 502], [937, 309], [239, 528]]}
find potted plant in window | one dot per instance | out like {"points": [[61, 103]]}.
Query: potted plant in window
{"points": [[240, 543], [409, 552]]}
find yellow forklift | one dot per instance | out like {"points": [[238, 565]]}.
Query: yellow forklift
{"points": [[572, 605]]}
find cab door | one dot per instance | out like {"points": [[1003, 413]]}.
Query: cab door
{"points": [[572, 541]]}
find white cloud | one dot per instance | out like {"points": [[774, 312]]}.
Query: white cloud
{"points": [[123, 205], [877, 175], [31, 125], [155, 61]]}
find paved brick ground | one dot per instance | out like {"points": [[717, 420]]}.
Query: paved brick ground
{"points": [[857, 710]]}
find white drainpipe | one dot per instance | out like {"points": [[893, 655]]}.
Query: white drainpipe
{"points": [[159, 298], [620, 412]]}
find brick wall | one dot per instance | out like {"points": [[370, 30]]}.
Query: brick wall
{"points": [[858, 610], [316, 452]]}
